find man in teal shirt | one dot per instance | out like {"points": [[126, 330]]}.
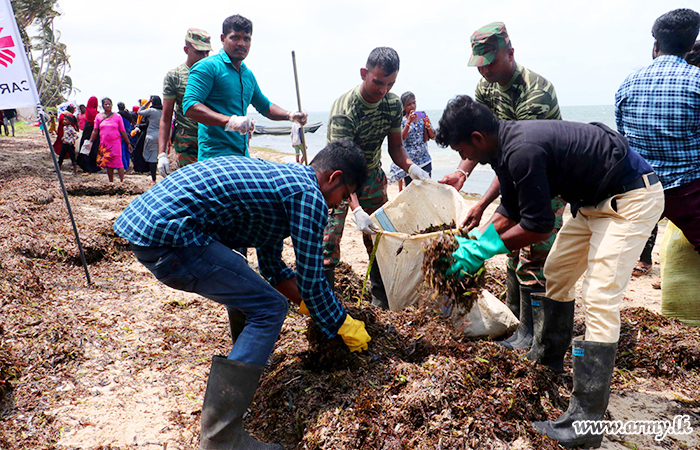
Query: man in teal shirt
{"points": [[219, 90]]}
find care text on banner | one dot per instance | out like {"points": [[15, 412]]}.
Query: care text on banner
{"points": [[17, 87]]}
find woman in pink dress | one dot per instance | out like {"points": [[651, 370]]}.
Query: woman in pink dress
{"points": [[110, 128]]}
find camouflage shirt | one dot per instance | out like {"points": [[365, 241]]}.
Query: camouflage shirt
{"points": [[528, 96], [367, 124], [174, 86]]}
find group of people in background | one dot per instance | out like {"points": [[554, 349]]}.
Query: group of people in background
{"points": [[109, 139], [192, 230]]}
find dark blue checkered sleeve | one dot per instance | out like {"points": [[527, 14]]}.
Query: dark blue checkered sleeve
{"points": [[272, 268], [308, 213]]}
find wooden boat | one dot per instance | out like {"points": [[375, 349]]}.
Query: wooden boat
{"points": [[287, 129]]}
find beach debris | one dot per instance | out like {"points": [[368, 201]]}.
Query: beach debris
{"points": [[658, 345], [420, 385], [434, 228], [437, 259], [348, 284]]}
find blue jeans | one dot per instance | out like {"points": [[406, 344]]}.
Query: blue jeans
{"points": [[220, 274]]}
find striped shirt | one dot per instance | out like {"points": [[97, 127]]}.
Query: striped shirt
{"points": [[366, 124], [243, 202], [658, 109]]}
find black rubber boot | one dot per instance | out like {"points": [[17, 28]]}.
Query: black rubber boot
{"points": [[552, 330], [593, 367], [230, 389], [513, 296], [522, 338], [379, 298], [330, 276]]}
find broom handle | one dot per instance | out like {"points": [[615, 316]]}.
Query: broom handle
{"points": [[296, 82]]}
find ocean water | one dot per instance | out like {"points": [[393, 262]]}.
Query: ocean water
{"points": [[445, 160]]}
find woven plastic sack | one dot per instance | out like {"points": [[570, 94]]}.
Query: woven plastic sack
{"points": [[400, 252], [489, 317], [680, 277]]}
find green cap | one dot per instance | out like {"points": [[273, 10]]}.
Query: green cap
{"points": [[486, 42], [199, 39]]}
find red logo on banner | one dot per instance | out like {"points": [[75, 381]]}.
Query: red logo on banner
{"points": [[6, 55]]}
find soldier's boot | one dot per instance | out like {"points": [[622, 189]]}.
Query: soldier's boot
{"points": [[522, 338], [552, 330], [593, 367]]}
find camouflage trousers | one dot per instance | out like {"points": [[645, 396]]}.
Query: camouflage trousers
{"points": [[186, 148], [528, 262], [372, 196]]}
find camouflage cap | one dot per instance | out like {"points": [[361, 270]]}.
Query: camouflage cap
{"points": [[199, 39], [486, 42]]}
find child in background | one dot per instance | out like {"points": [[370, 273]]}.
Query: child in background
{"points": [[70, 135], [52, 123], [416, 131]]}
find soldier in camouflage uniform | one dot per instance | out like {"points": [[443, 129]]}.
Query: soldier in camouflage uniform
{"points": [[197, 46], [512, 92], [367, 114]]}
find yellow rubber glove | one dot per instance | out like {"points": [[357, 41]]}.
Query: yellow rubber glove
{"points": [[354, 334], [303, 309]]}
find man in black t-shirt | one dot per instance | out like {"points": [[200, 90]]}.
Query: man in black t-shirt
{"points": [[616, 199]]}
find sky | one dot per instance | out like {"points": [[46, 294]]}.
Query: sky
{"points": [[585, 48]]}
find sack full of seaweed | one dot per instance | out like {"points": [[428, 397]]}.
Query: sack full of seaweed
{"points": [[465, 302], [407, 222]]}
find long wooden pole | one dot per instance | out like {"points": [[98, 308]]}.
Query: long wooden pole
{"points": [[296, 82]]}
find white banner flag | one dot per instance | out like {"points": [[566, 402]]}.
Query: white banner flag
{"points": [[17, 88]]}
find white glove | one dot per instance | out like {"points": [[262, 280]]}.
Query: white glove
{"points": [[85, 149], [163, 164], [298, 116], [364, 222], [242, 124], [417, 173]]}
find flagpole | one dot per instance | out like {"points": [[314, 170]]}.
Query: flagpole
{"points": [[65, 193]]}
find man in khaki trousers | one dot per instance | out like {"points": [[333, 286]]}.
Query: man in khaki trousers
{"points": [[616, 199]]}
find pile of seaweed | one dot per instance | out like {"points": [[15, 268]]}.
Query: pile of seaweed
{"points": [[437, 259], [441, 227], [419, 385], [349, 285], [657, 345], [98, 188]]}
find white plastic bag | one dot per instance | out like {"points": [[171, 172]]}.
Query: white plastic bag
{"points": [[489, 317]]}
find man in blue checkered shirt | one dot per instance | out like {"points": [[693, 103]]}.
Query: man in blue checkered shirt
{"points": [[658, 109], [184, 229]]}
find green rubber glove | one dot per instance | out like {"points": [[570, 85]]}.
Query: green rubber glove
{"points": [[472, 253], [354, 334]]}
